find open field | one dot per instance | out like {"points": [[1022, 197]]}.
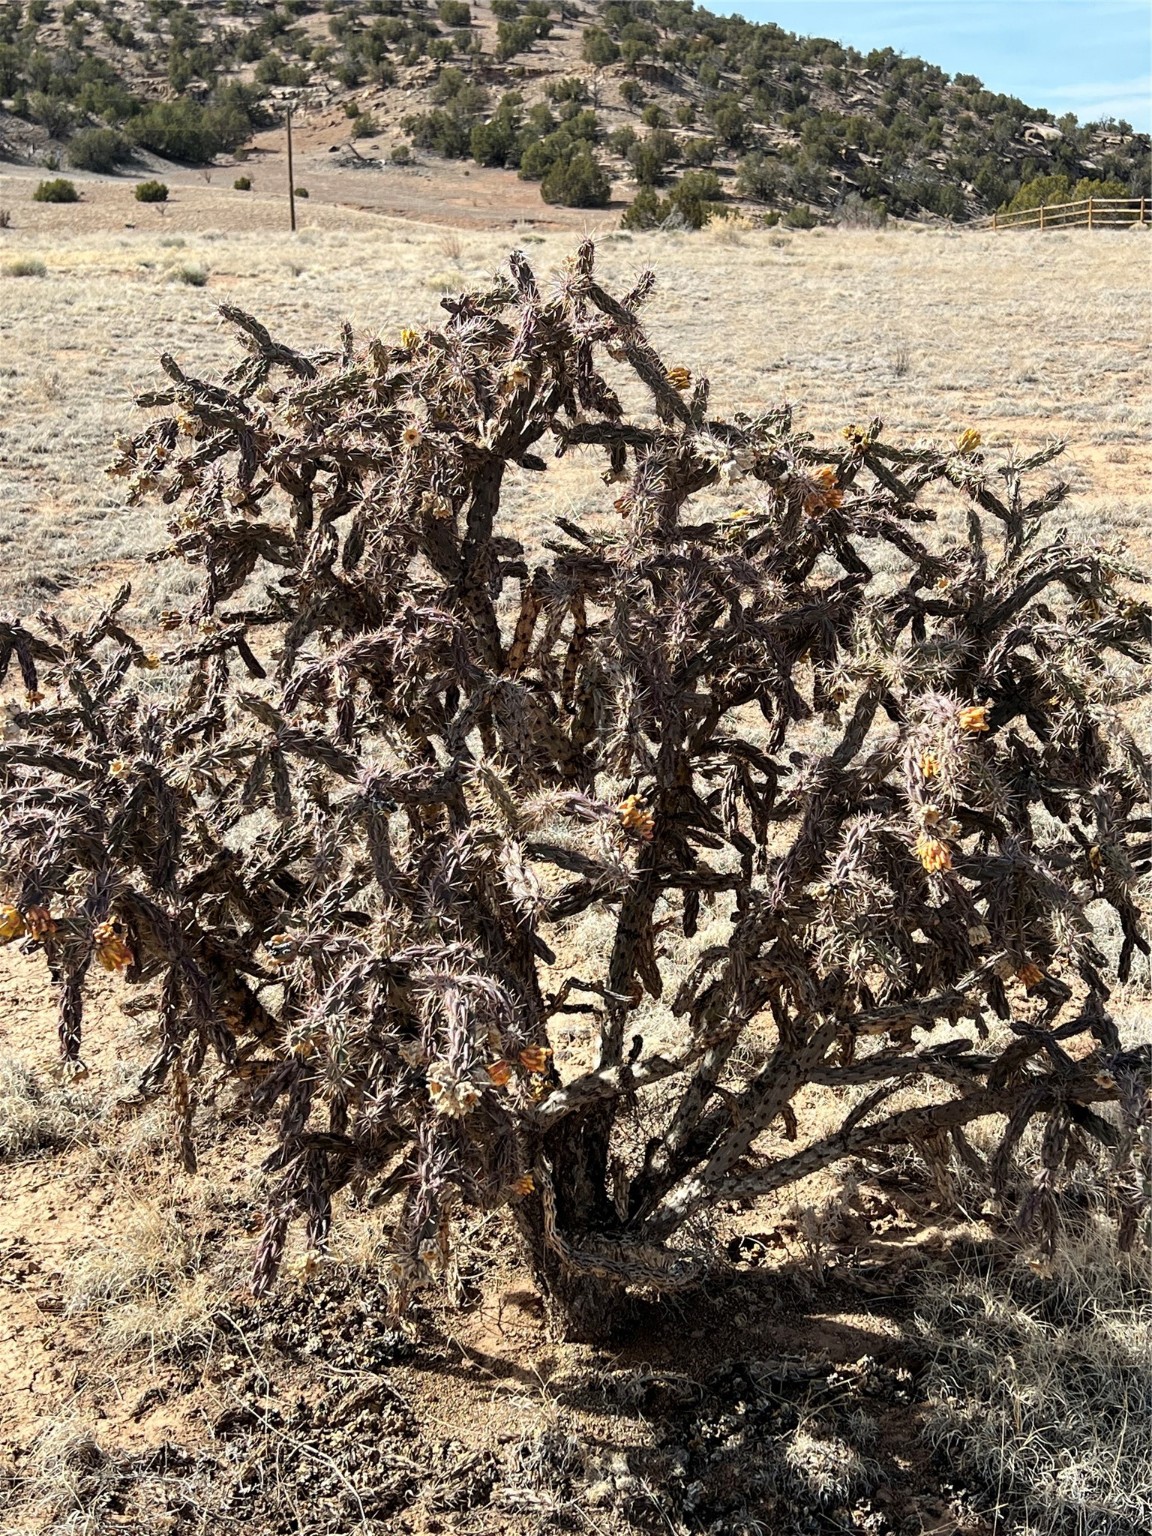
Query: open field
{"points": [[1026, 337], [841, 1378]]}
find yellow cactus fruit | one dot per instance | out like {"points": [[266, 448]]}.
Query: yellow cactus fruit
{"points": [[974, 718], [11, 924], [111, 950], [934, 854], [534, 1058], [679, 378], [968, 441], [635, 817]]}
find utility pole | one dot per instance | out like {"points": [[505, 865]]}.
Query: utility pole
{"points": [[291, 178]]}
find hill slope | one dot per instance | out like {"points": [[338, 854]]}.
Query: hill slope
{"points": [[576, 96]]}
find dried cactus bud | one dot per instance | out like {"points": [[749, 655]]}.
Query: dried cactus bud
{"points": [[500, 1072], [522, 1186], [934, 854], [33, 697], [412, 436], [111, 950], [979, 933], [409, 338], [171, 619], [1030, 974], [974, 719], [822, 493], [516, 378], [968, 441], [679, 378]]}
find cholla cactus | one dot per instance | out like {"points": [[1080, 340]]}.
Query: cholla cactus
{"points": [[343, 824]]}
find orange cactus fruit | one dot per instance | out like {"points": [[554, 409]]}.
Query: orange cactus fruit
{"points": [[534, 1058], [934, 854], [522, 1186], [974, 719], [1029, 974], [500, 1072], [111, 950], [39, 922]]}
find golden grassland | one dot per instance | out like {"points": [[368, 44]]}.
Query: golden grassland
{"points": [[1024, 337]]}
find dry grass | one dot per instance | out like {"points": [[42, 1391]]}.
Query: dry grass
{"points": [[1026, 336], [36, 1115], [1041, 1388]]}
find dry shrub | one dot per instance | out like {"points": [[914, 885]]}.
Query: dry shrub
{"points": [[393, 821]]}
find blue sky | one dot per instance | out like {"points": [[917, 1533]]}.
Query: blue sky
{"points": [[1091, 57]]}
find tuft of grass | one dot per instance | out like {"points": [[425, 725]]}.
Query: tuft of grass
{"points": [[1040, 1387], [25, 266], [191, 274], [147, 1285], [35, 1116]]}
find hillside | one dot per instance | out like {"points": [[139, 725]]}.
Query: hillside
{"points": [[597, 103]]}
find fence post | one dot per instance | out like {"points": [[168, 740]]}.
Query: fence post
{"points": [[1089, 213], [1143, 218], [993, 218], [1041, 215]]}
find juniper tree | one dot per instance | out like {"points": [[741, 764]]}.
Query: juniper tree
{"points": [[832, 785]]}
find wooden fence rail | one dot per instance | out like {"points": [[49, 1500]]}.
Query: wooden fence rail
{"points": [[1088, 213]]}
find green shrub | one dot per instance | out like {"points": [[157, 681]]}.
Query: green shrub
{"points": [[193, 131], [632, 93], [151, 192], [400, 154], [25, 266], [698, 152], [364, 126], [300, 191], [242, 184], [59, 190], [598, 48], [577, 182], [800, 217], [759, 177], [454, 13], [621, 140], [569, 88], [98, 149], [646, 211], [1044, 191], [690, 204], [649, 158]]}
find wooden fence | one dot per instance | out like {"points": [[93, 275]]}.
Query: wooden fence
{"points": [[1088, 213]]}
